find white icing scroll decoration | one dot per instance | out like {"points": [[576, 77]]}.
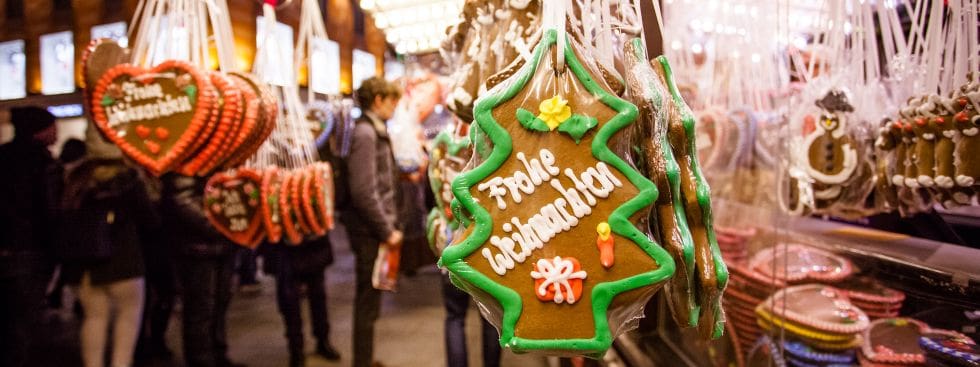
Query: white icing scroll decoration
{"points": [[557, 273]]}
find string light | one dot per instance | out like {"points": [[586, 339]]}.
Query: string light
{"points": [[414, 26]]}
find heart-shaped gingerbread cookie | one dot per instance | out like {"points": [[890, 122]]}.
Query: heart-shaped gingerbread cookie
{"points": [[174, 96], [270, 204], [231, 202], [226, 122]]}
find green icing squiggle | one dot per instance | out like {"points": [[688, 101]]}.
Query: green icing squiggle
{"points": [[673, 173], [703, 191]]}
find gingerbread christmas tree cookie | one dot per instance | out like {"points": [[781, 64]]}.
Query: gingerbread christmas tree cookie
{"points": [[554, 252]]}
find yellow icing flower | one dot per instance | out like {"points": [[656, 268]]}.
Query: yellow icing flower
{"points": [[554, 111]]}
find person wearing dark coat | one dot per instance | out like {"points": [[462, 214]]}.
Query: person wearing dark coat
{"points": [[371, 218], [298, 268], [205, 264], [29, 191], [110, 288]]}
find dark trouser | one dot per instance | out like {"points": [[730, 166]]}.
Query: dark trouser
{"points": [[367, 300], [247, 266], [21, 300], [161, 289], [207, 292], [288, 286], [457, 303]]}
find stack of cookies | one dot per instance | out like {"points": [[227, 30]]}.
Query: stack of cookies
{"points": [[746, 290], [733, 243], [875, 299], [818, 315], [905, 342]]}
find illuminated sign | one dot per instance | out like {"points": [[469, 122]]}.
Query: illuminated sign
{"points": [[13, 70], [57, 63], [279, 58], [66, 110], [325, 66], [364, 67]]}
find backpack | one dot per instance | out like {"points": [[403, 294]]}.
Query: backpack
{"points": [[86, 231]]}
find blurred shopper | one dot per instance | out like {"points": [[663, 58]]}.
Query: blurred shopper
{"points": [[300, 269], [29, 191], [247, 271], [161, 289], [72, 152], [457, 303], [369, 175], [205, 263], [105, 215]]}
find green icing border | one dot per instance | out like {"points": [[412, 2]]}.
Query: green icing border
{"points": [[674, 179], [602, 294], [703, 191]]}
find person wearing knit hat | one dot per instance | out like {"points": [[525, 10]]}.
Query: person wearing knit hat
{"points": [[29, 190], [33, 122]]}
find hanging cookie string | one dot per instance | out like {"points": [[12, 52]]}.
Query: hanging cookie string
{"points": [[291, 144], [181, 30]]}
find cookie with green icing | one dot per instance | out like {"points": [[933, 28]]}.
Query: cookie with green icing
{"points": [[711, 273], [644, 88], [448, 156], [554, 253]]}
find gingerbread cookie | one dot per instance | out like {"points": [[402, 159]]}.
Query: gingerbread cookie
{"points": [[895, 341], [448, 157], [538, 202], [651, 96], [711, 272], [154, 115], [271, 218], [967, 121], [232, 205], [831, 154], [224, 124]]}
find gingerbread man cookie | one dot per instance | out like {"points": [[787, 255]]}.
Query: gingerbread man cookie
{"points": [[967, 121]]}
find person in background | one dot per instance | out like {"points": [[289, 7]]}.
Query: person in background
{"points": [[371, 216], [247, 269], [205, 263], [296, 268], [105, 215], [72, 152], [29, 191], [161, 289], [457, 303]]}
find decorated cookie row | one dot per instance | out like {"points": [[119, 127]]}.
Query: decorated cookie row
{"points": [[251, 205]]}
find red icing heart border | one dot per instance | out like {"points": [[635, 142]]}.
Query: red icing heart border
{"points": [[270, 204], [203, 105], [253, 234]]}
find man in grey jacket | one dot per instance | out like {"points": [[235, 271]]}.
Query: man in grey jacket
{"points": [[371, 217]]}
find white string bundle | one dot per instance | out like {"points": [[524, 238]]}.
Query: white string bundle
{"points": [[311, 30], [291, 145], [181, 30]]}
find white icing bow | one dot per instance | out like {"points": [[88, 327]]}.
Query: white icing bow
{"points": [[557, 273]]}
